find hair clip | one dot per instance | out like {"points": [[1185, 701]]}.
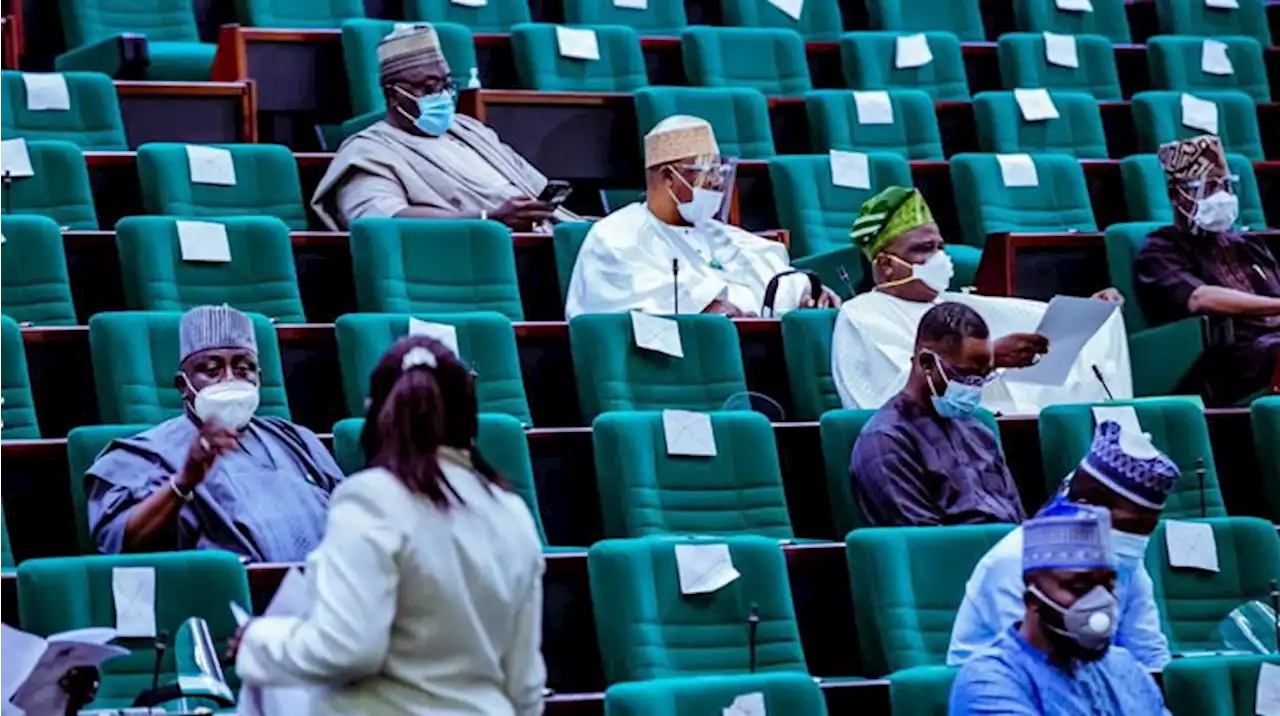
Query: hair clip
{"points": [[416, 358]]}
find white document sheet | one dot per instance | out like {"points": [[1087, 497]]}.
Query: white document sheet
{"points": [[1199, 114], [912, 51], [204, 241], [1061, 50], [14, 160], [792, 8], [1267, 699], [210, 165], [1036, 104], [851, 170], [33, 665], [1213, 58], [470, 3], [688, 433], [704, 568], [874, 107], [1191, 545], [1017, 170], [1222, 4], [46, 91], [133, 589], [747, 705], [631, 4], [445, 333], [577, 43], [656, 333], [1068, 323], [1074, 5]]}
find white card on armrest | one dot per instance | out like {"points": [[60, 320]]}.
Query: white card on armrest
{"points": [[470, 3], [204, 241], [443, 332], [1213, 58], [1061, 50], [851, 170], [1017, 170], [577, 43], [210, 165], [1125, 415], [1267, 699], [1222, 4], [631, 4], [656, 333], [1191, 545], [1036, 104], [747, 705], [874, 107], [1199, 114], [14, 160], [912, 51], [704, 568], [46, 90], [1074, 5], [688, 433], [133, 589], [792, 8]]}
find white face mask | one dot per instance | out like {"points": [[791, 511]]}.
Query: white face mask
{"points": [[229, 403], [705, 205], [1129, 548], [935, 272], [1217, 212]]}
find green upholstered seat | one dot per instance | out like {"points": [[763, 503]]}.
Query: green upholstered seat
{"points": [[1214, 685], [652, 631], [1186, 17], [18, 411], [907, 585], [806, 344], [771, 60], [738, 115], [567, 242], [266, 184], [868, 59], [58, 187], [986, 206], [614, 374], [1157, 115], [644, 491], [1147, 198], [84, 444], [658, 17], [790, 694], [490, 16], [1175, 64], [360, 40], [819, 21], [834, 124], [434, 266], [1023, 64], [1076, 132], [259, 278], [962, 18], [541, 66], [1192, 603], [34, 286], [64, 593], [486, 341], [174, 49], [922, 691], [1109, 19], [312, 14], [92, 122], [135, 361], [1177, 427], [1265, 418]]}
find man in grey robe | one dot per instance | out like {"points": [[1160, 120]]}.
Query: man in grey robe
{"points": [[215, 477], [424, 160]]}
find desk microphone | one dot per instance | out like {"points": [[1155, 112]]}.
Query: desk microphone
{"points": [[675, 286], [753, 625], [844, 278], [1200, 478], [8, 191], [1098, 374]]}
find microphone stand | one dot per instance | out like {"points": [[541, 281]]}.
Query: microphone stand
{"points": [[753, 625], [1098, 374], [675, 286], [1200, 477], [8, 191]]}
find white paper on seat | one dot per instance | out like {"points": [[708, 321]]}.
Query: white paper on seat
{"points": [[1213, 58], [851, 170], [210, 165], [577, 43], [204, 241], [33, 665], [655, 333], [1222, 4], [46, 90], [792, 8], [1069, 323], [1017, 170], [874, 107], [1191, 545], [1074, 5], [238, 612], [1199, 114], [704, 568], [688, 433], [133, 589], [631, 4], [15, 163], [912, 51], [1267, 700], [1061, 50], [1036, 104], [747, 705], [401, 26], [1125, 415], [445, 333], [470, 3]]}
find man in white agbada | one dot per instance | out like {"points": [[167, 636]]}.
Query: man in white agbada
{"points": [[626, 261], [875, 332]]}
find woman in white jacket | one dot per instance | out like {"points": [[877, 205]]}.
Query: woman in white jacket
{"points": [[427, 588]]}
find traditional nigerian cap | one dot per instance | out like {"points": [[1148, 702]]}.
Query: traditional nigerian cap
{"points": [[1127, 463], [888, 215], [206, 327], [1066, 535], [407, 46], [1194, 158], [680, 136]]}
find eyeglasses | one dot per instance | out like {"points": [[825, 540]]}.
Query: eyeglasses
{"points": [[1212, 185], [430, 86], [711, 174], [974, 378]]}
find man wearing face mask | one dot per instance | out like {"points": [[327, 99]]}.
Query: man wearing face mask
{"points": [[1128, 477], [424, 160], [217, 476], [1058, 659], [874, 335], [671, 248], [923, 459], [1203, 265]]}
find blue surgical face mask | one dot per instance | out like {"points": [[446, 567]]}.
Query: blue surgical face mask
{"points": [[435, 112], [958, 400], [1129, 549]]}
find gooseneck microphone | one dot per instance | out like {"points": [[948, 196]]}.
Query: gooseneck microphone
{"points": [[753, 626], [1098, 374], [675, 286]]}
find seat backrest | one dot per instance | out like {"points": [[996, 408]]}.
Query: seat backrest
{"points": [[869, 61], [771, 60], [907, 585], [834, 123], [486, 341], [644, 491], [135, 359], [1147, 198], [490, 16], [87, 21], [791, 694], [91, 121], [922, 691], [1059, 202], [615, 374], [1023, 63], [819, 20], [1077, 131], [1188, 17], [1176, 63], [1124, 241], [266, 184], [806, 345], [58, 187], [1192, 602], [1214, 685], [360, 40], [64, 593], [317, 14], [434, 266], [84, 444], [18, 410], [259, 277], [656, 17], [652, 631], [542, 66], [962, 18], [738, 115], [1177, 427], [567, 241], [34, 285], [1109, 18], [1157, 115], [1265, 418]]}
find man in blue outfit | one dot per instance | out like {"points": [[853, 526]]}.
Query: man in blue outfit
{"points": [[1059, 659]]}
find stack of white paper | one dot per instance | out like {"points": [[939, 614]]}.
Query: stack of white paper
{"points": [[33, 665]]}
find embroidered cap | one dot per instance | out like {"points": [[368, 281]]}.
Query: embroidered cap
{"points": [[1130, 465], [206, 327], [678, 137], [1066, 535], [1194, 158], [888, 215], [407, 46]]}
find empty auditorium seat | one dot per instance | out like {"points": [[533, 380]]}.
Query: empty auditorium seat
{"points": [[543, 66], [922, 691], [912, 129], [645, 491], [771, 60], [264, 182], [91, 119], [613, 373], [870, 63], [1265, 419], [360, 40], [1159, 118], [806, 345], [135, 359], [166, 265], [1024, 63], [1177, 427], [434, 266], [298, 13], [57, 188], [739, 115], [1077, 132], [1195, 17], [781, 693], [174, 49], [566, 242], [1214, 685], [17, 407], [486, 342], [1059, 201], [489, 16], [907, 585], [818, 21], [651, 630], [1178, 63], [83, 446], [962, 18], [1108, 18], [654, 17], [1147, 198], [35, 288]]}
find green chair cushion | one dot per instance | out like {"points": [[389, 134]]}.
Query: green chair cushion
{"points": [[1109, 19], [266, 177], [58, 187], [317, 14], [819, 21], [84, 444], [834, 124], [1023, 62], [986, 206], [1076, 132], [18, 411], [771, 60], [1214, 685], [869, 64], [658, 17], [1158, 118], [1181, 17], [1175, 64], [738, 115], [790, 694], [34, 285], [541, 67], [492, 16], [92, 122], [963, 19]]}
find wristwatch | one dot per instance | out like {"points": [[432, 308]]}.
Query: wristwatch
{"points": [[184, 496]]}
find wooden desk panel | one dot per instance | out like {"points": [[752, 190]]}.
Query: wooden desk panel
{"points": [[191, 112]]}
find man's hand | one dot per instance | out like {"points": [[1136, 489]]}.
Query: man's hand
{"points": [[727, 309], [828, 299], [522, 213], [212, 441], [1019, 350], [1110, 295]]}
